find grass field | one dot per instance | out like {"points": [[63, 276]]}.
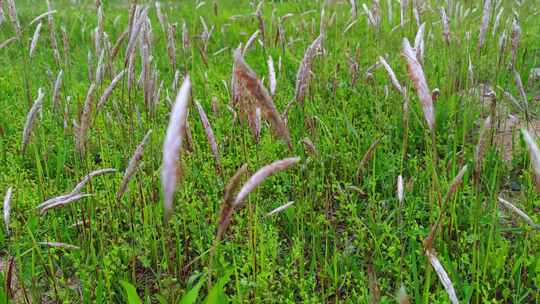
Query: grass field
{"points": [[390, 199]]}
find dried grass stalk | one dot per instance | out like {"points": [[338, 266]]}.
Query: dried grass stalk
{"points": [[521, 88], [84, 123], [519, 212], [497, 22], [516, 38], [65, 42], [134, 34], [456, 182], [90, 61], [8, 42], [354, 9], [486, 14], [280, 209], [56, 92], [373, 285], [171, 45], [110, 88], [77, 189], [254, 122], [210, 136], [100, 68], [185, 37], [405, 121], [63, 202], [402, 296], [7, 207], [30, 118], [310, 147], [52, 34], [161, 18], [443, 276], [416, 74], [59, 245], [133, 165], [263, 173], [38, 18], [244, 77], [402, 9], [400, 192], [445, 26], [12, 13], [260, 19], [367, 157], [170, 170], [227, 207], [392, 75], [419, 42], [35, 39], [89, 177], [303, 75], [99, 29], [535, 157], [481, 148], [371, 19], [250, 42], [271, 76], [118, 44]]}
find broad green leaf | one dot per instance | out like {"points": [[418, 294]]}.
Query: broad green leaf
{"points": [[191, 296], [131, 291], [217, 293]]}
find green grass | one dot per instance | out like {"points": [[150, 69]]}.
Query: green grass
{"points": [[320, 249]]}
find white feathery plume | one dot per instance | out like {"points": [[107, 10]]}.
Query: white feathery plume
{"points": [[35, 39], [271, 76], [171, 147], [29, 125], [7, 207]]}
